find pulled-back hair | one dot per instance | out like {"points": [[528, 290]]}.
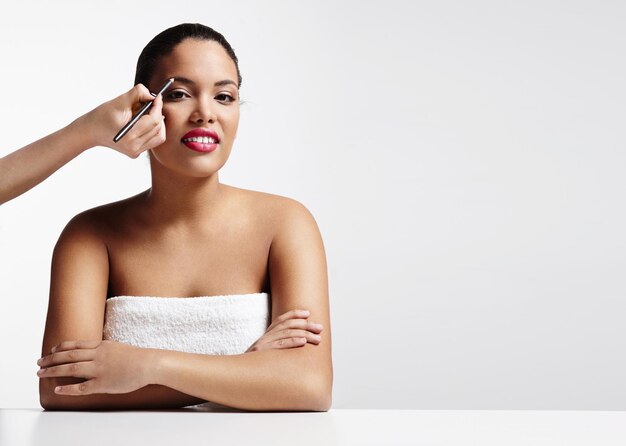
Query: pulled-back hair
{"points": [[164, 42]]}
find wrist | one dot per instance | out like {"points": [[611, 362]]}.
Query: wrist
{"points": [[82, 132], [153, 365]]}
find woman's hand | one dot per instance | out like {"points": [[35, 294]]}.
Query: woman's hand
{"points": [[289, 330], [107, 366], [114, 367], [103, 122]]}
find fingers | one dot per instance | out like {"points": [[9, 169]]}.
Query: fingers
{"points": [[289, 330], [313, 338], [265, 344], [74, 345], [297, 328], [149, 132], [156, 140], [287, 343], [155, 135], [289, 315], [135, 98], [148, 122], [156, 110], [139, 93], [293, 324], [300, 323], [84, 388], [65, 362], [65, 357], [75, 369]]}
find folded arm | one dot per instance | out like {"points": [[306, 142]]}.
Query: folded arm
{"points": [[79, 280], [284, 379]]}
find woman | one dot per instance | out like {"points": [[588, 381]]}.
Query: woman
{"points": [[189, 236]]}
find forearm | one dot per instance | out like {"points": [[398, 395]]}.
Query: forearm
{"points": [[30, 165], [149, 397], [284, 379]]}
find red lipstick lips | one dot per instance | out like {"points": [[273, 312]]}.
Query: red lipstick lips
{"points": [[201, 140]]}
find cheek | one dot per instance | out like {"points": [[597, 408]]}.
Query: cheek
{"points": [[233, 121], [174, 111], [172, 122], [168, 113]]}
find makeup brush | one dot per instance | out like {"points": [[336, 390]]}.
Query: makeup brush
{"points": [[141, 112]]}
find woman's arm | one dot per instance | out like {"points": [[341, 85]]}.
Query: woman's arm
{"points": [[292, 379], [285, 379], [78, 290], [25, 168]]}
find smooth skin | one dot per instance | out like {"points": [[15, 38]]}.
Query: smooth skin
{"points": [[25, 168], [190, 235]]}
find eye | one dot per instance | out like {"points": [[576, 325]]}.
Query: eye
{"points": [[230, 98], [176, 94]]}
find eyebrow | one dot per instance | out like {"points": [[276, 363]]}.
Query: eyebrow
{"points": [[184, 80]]}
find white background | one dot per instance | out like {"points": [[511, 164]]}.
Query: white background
{"points": [[464, 161]]}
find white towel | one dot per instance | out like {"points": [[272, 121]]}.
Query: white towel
{"points": [[215, 325], [212, 325]]}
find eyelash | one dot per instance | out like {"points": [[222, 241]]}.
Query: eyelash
{"points": [[169, 95]]}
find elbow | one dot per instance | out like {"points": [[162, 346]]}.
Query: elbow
{"points": [[323, 400], [318, 382], [49, 400], [48, 403], [319, 394], [321, 403], [308, 392], [47, 397]]}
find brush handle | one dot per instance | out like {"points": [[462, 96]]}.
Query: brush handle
{"points": [[141, 112], [132, 122]]}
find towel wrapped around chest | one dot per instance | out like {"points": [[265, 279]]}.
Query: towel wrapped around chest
{"points": [[215, 325]]}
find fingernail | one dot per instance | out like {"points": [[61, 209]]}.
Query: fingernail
{"points": [[153, 94], [318, 325], [305, 312], [39, 361]]}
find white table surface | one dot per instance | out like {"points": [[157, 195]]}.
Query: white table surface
{"points": [[26, 427]]}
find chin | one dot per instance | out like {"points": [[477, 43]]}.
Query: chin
{"points": [[195, 167]]}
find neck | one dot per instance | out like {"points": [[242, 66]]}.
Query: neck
{"points": [[179, 198]]}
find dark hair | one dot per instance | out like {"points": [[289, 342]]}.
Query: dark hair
{"points": [[164, 42]]}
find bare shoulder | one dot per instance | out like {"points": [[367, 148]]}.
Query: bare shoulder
{"points": [[93, 224], [279, 212]]}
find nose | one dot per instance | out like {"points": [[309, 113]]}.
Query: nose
{"points": [[203, 112]]}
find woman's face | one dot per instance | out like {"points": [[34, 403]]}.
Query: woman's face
{"points": [[203, 97]]}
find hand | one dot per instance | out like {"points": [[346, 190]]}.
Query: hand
{"points": [[289, 330], [104, 121], [107, 366]]}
